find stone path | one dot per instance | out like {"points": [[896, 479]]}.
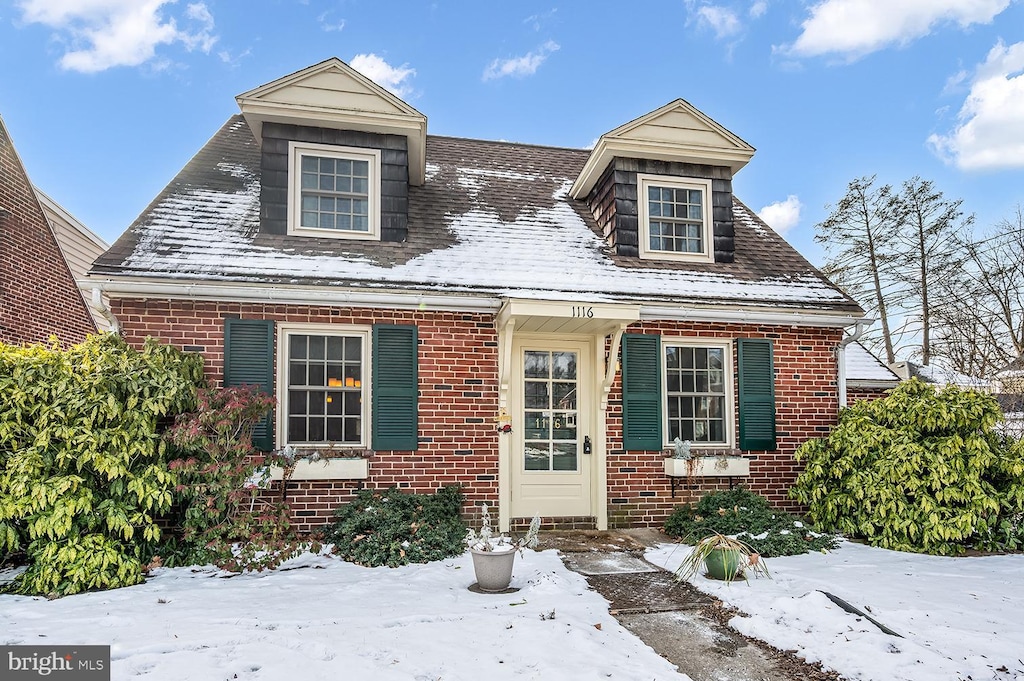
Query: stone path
{"points": [[683, 625]]}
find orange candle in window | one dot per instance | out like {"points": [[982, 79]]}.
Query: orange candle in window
{"points": [[350, 382], [334, 382]]}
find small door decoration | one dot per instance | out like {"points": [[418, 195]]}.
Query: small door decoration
{"points": [[504, 421]]}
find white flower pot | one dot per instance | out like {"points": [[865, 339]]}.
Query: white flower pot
{"points": [[493, 569]]}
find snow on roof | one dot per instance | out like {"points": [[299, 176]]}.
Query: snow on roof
{"points": [[862, 365], [492, 218], [933, 373]]}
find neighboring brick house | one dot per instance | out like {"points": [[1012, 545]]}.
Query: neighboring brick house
{"points": [[537, 324], [38, 294]]}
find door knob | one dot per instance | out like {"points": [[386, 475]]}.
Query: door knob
{"points": [[586, 445]]}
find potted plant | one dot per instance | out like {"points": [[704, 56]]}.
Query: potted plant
{"points": [[494, 555], [724, 558]]}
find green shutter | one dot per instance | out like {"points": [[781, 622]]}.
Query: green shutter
{"points": [[395, 387], [249, 360], [757, 394], [641, 392]]}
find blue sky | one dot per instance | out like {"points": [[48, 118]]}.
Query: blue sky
{"points": [[107, 99]]}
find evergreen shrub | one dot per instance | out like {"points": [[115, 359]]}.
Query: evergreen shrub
{"points": [[395, 528], [83, 466], [920, 470], [747, 516]]}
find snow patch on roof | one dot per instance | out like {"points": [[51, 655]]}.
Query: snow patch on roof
{"points": [[861, 365], [544, 252]]}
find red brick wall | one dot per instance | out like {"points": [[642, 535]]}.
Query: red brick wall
{"points": [[458, 374], [639, 492], [459, 398], [38, 295], [857, 394]]}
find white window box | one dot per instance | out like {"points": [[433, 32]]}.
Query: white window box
{"points": [[326, 469], [707, 467]]}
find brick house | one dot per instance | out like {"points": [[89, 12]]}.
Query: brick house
{"points": [[537, 324], [38, 294]]}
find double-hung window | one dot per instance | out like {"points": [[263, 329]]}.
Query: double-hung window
{"points": [[333, 191], [324, 388], [698, 393], [675, 218]]}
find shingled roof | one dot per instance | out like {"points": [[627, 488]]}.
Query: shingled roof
{"points": [[492, 218]]}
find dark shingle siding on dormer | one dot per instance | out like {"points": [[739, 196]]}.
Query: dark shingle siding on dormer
{"points": [[394, 173], [613, 201]]}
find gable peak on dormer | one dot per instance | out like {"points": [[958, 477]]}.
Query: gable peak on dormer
{"points": [[332, 94], [677, 131]]}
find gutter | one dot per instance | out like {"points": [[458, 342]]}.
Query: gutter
{"points": [[287, 295], [308, 295], [841, 356], [97, 303]]}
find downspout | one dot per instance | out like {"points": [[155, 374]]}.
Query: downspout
{"points": [[841, 356], [101, 307]]}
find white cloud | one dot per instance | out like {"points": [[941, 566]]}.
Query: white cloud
{"points": [[854, 28], [782, 216], [328, 24], [535, 21], [102, 34], [391, 78], [520, 67], [722, 20], [758, 9], [990, 129]]}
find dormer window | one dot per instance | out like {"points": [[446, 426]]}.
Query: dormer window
{"points": [[333, 191], [675, 218]]}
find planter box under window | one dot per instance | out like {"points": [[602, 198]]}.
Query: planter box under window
{"points": [[327, 469], [708, 466]]}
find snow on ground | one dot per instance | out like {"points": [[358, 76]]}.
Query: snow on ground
{"points": [[321, 618], [960, 618]]}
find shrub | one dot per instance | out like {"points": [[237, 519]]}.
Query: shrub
{"points": [[920, 470], [216, 506], [394, 528], [83, 467], [748, 516]]}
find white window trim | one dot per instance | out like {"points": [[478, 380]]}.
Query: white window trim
{"points": [[283, 332], [729, 378], [644, 209], [296, 150]]}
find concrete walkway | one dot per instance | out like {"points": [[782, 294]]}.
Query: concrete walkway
{"points": [[675, 619]]}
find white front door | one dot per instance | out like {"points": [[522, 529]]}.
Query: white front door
{"points": [[552, 471]]}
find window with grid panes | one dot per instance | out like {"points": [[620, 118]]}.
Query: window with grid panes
{"points": [[326, 389], [696, 393], [675, 219], [334, 191]]}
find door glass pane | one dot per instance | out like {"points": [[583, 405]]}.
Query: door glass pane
{"points": [[564, 457], [550, 411]]}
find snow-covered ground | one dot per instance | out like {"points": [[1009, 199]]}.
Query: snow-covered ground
{"points": [[321, 618], [960, 618]]}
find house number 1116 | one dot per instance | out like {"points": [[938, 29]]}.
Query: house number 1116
{"points": [[582, 311]]}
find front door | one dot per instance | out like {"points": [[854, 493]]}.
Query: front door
{"points": [[552, 450]]}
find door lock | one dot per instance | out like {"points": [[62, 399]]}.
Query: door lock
{"points": [[586, 445]]}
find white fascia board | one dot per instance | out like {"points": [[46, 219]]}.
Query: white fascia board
{"points": [[413, 127], [768, 315], [605, 150], [855, 383], [290, 295]]}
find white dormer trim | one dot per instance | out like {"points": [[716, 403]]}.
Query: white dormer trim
{"points": [[332, 94], [677, 132]]}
